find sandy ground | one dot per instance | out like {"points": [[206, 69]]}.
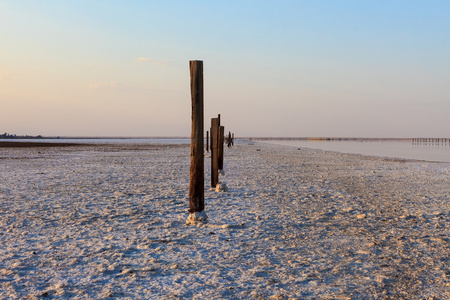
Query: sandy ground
{"points": [[109, 222]]}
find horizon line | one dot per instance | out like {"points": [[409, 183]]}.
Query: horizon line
{"points": [[311, 138]]}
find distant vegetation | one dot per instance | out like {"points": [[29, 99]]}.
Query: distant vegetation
{"points": [[13, 136]]}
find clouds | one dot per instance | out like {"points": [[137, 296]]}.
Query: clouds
{"points": [[142, 59], [98, 85], [7, 76], [148, 60]]}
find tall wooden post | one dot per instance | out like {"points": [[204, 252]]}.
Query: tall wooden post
{"points": [[207, 141], [197, 185], [221, 141], [214, 152]]}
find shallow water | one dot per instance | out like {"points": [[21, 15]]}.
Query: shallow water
{"points": [[395, 149]]}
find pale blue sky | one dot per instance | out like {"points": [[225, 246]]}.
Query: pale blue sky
{"points": [[271, 68]]}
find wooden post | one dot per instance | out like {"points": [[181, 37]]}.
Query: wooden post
{"points": [[197, 183], [207, 141], [218, 132], [210, 138], [221, 141], [214, 152], [232, 140]]}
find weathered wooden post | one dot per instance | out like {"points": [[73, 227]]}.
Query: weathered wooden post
{"points": [[210, 139], [219, 149], [221, 142], [197, 182], [214, 152], [207, 141], [232, 140]]}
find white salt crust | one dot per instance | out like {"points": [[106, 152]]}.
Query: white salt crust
{"points": [[196, 217], [221, 187], [110, 222]]}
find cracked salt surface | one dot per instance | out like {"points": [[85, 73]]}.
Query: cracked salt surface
{"points": [[110, 222]]}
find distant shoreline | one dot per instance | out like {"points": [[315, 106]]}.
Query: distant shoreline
{"points": [[85, 138], [37, 144], [32, 144]]}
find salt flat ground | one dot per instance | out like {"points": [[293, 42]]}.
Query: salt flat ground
{"points": [[94, 222]]}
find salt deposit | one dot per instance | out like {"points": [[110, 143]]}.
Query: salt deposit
{"points": [[221, 187], [104, 222], [197, 217]]}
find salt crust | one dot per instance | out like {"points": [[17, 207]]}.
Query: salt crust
{"points": [[221, 187], [109, 222], [196, 217]]}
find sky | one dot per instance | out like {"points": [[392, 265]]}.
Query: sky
{"points": [[350, 68]]}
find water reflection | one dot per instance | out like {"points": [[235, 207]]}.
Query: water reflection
{"points": [[418, 149]]}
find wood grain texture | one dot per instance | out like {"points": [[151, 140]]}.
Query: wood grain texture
{"points": [[197, 184]]}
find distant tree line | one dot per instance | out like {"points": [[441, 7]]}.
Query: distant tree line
{"points": [[14, 136]]}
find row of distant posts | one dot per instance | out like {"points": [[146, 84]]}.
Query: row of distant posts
{"points": [[217, 138], [434, 141]]}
